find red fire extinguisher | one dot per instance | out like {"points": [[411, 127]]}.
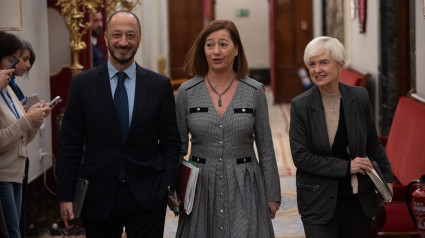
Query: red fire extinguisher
{"points": [[418, 202]]}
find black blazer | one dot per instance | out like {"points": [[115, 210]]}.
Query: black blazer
{"points": [[317, 170], [150, 154]]}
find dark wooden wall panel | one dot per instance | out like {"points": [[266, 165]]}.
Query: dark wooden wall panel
{"points": [[185, 22], [291, 26]]}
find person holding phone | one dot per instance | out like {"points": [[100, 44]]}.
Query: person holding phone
{"points": [[17, 128]]}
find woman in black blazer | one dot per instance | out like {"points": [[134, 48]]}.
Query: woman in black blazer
{"points": [[333, 138]]}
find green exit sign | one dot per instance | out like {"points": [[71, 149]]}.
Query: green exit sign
{"points": [[242, 12]]}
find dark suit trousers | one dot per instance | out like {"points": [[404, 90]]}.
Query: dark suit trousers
{"points": [[349, 221], [138, 221]]}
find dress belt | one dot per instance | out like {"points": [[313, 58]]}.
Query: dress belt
{"points": [[238, 161]]}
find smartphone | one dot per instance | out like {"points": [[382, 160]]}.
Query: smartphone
{"points": [[53, 101], [31, 100], [12, 65]]}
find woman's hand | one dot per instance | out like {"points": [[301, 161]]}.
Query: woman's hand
{"points": [[36, 114], [44, 104], [5, 77], [390, 185], [360, 165], [273, 207]]}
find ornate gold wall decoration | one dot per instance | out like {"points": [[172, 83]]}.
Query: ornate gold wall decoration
{"points": [[116, 5], [73, 13]]}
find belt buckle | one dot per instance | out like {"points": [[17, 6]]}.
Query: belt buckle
{"points": [[124, 180]]}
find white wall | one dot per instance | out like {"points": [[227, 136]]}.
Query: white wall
{"points": [[38, 81], [253, 30], [154, 19], [59, 51], [420, 48], [317, 18]]}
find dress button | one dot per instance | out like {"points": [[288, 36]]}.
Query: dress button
{"points": [[220, 159], [221, 126], [243, 110], [221, 194], [221, 176], [244, 160], [221, 143], [221, 228], [198, 109], [221, 211]]}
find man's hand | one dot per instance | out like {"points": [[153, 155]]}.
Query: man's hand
{"points": [[67, 214], [172, 202]]}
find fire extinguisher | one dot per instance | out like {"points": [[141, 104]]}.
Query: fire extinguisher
{"points": [[418, 201]]}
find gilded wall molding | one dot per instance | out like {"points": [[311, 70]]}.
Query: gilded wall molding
{"points": [[73, 13]]}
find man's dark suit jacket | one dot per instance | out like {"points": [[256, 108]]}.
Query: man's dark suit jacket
{"points": [[317, 170], [150, 154]]}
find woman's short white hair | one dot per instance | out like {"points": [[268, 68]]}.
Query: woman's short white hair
{"points": [[324, 44]]}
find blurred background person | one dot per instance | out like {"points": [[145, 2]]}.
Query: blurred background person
{"points": [[18, 128], [333, 138], [22, 68], [4, 81], [97, 31], [26, 61], [225, 111]]}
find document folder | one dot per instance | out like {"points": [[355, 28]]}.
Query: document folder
{"points": [[79, 196], [186, 185], [381, 185]]}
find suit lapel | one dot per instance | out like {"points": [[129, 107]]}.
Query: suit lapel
{"points": [[319, 120], [103, 83], [350, 112]]}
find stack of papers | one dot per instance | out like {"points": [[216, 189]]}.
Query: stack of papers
{"points": [[380, 185]]}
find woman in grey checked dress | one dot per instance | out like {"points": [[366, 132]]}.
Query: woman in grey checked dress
{"points": [[224, 111]]}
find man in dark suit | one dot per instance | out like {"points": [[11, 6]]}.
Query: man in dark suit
{"points": [[129, 166], [96, 30]]}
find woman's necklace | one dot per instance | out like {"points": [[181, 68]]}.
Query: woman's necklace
{"points": [[335, 103], [332, 107], [219, 94]]}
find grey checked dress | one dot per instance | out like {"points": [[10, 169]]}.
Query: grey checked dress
{"points": [[233, 187]]}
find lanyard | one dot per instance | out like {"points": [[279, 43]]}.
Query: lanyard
{"points": [[8, 104]]}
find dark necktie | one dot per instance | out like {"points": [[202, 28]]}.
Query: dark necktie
{"points": [[121, 104], [121, 107]]}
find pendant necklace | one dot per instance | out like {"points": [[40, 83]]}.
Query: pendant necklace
{"points": [[332, 107], [219, 94]]}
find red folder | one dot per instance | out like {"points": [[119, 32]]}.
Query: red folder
{"points": [[184, 174], [186, 185]]}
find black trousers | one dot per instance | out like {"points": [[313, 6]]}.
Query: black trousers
{"points": [[127, 212], [349, 221]]}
